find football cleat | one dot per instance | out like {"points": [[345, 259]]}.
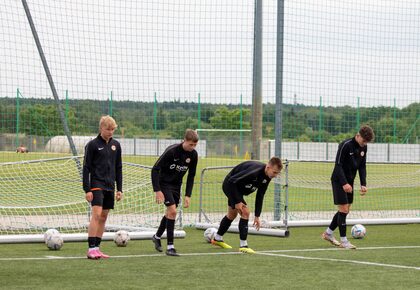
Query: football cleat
{"points": [[330, 238], [347, 245], [158, 245], [246, 250], [103, 256], [93, 254], [220, 244], [172, 252]]}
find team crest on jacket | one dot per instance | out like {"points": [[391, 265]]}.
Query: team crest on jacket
{"points": [[113, 148], [188, 160], [362, 153]]}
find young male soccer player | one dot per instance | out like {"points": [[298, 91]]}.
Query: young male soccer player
{"points": [[244, 179], [102, 168], [351, 157], [167, 174]]}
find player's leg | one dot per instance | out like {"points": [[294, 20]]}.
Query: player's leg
{"points": [[96, 211], [157, 236], [226, 220], [108, 204], [243, 231], [172, 196], [340, 196], [170, 228], [344, 209]]}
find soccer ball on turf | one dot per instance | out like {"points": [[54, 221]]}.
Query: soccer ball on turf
{"points": [[55, 241], [48, 233], [209, 234], [358, 231], [121, 238]]}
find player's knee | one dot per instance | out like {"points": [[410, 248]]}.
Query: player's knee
{"points": [[245, 213], [171, 212]]}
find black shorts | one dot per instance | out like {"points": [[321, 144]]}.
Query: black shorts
{"points": [[340, 196], [228, 192], [103, 198], [172, 195]]}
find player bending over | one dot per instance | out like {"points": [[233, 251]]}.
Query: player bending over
{"points": [[167, 174], [244, 179], [351, 157]]}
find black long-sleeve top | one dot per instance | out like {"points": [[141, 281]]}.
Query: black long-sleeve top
{"points": [[350, 158], [102, 165], [171, 167], [246, 178]]}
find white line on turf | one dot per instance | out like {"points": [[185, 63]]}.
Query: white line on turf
{"points": [[340, 260], [266, 252]]}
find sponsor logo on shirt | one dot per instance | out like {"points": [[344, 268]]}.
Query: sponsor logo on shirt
{"points": [[100, 148], [178, 168]]}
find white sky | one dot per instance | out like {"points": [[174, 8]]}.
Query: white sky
{"points": [[340, 50]]}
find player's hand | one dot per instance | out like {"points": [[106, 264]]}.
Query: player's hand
{"points": [[89, 196], [257, 223], [363, 190], [159, 197], [119, 195], [186, 202], [347, 188]]}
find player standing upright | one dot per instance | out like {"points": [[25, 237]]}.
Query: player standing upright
{"points": [[351, 157], [102, 168], [167, 174], [244, 179]]}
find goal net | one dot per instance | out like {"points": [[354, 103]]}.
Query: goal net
{"points": [[228, 143], [392, 197], [41, 194], [302, 195]]}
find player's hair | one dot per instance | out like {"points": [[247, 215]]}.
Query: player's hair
{"points": [[276, 161], [191, 135], [366, 133], [107, 122]]}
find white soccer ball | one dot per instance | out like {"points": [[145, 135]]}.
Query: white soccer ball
{"points": [[358, 231], [48, 233], [55, 241], [209, 234], [121, 238]]}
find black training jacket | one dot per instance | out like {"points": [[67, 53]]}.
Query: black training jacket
{"points": [[350, 158], [102, 165], [171, 167], [246, 178]]}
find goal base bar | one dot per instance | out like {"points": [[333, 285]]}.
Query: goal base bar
{"points": [[82, 237], [251, 230], [315, 223]]}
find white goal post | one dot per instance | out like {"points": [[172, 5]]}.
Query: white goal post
{"points": [[38, 195]]}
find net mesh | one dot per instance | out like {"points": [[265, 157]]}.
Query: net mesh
{"points": [[41, 194]]}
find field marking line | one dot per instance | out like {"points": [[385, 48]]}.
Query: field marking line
{"points": [[340, 260], [339, 249], [265, 252], [113, 257]]}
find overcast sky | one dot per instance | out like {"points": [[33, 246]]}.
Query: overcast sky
{"points": [[337, 50]]}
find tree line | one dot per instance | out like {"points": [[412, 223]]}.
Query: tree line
{"points": [[169, 119]]}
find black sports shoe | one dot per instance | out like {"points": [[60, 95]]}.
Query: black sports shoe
{"points": [[172, 252], [158, 245]]}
